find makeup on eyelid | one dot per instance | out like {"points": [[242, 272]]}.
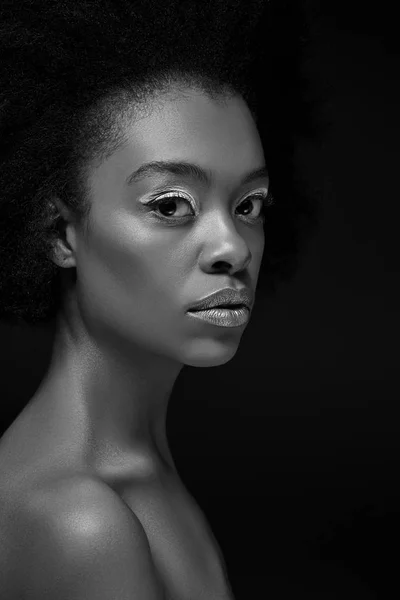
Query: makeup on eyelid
{"points": [[263, 195]]}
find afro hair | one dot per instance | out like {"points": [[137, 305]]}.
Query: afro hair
{"points": [[69, 70]]}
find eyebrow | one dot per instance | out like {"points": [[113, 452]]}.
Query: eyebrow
{"points": [[186, 169]]}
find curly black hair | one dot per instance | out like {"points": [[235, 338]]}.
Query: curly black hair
{"points": [[70, 69]]}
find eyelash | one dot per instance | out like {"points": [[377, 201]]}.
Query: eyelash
{"points": [[267, 200]]}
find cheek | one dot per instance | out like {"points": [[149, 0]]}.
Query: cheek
{"points": [[123, 277], [259, 252], [256, 243]]}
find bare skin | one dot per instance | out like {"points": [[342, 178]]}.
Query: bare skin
{"points": [[123, 334]]}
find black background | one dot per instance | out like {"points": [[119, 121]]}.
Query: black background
{"points": [[292, 448]]}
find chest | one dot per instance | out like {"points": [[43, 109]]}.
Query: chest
{"points": [[185, 551]]}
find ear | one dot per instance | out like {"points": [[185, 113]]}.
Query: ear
{"points": [[64, 244]]}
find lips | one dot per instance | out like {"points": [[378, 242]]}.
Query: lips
{"points": [[228, 306], [227, 298]]}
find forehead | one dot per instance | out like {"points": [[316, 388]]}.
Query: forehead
{"points": [[221, 135]]}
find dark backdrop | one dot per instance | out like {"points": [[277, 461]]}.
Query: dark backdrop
{"points": [[292, 448]]}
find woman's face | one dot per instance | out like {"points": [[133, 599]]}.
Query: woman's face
{"points": [[137, 273]]}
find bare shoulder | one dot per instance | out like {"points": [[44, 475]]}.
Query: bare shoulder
{"points": [[77, 538]]}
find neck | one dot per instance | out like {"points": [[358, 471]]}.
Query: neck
{"points": [[110, 398]]}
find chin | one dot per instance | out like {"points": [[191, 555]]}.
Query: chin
{"points": [[209, 354]]}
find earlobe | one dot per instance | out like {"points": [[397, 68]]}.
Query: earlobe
{"points": [[63, 255], [63, 233]]}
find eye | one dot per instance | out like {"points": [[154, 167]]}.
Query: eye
{"points": [[260, 199], [166, 203]]}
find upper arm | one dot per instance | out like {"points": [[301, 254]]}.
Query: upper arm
{"points": [[95, 551]]}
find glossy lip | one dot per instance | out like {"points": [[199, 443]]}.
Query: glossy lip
{"points": [[223, 317], [225, 298]]}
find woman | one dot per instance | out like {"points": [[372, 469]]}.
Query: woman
{"points": [[135, 185]]}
